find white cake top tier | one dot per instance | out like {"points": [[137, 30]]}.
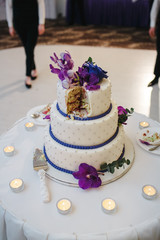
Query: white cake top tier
{"points": [[98, 100]]}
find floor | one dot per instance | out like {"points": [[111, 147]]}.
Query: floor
{"points": [[58, 32], [130, 70]]}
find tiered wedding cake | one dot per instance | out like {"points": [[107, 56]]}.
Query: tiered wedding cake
{"points": [[84, 119]]}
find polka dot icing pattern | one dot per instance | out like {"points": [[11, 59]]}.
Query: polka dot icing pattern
{"points": [[82, 133], [69, 158], [67, 170], [99, 100], [83, 147]]}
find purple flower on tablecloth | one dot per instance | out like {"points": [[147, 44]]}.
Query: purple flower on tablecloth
{"points": [[88, 176], [123, 114]]}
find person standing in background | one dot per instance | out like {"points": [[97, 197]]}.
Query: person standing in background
{"points": [[155, 31], [27, 19]]}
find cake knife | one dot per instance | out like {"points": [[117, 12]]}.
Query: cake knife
{"points": [[40, 165]]}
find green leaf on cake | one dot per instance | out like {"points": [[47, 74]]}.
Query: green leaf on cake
{"points": [[130, 111], [89, 60], [116, 164]]}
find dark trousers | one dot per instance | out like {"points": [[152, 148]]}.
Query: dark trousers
{"points": [[28, 34], [157, 64]]}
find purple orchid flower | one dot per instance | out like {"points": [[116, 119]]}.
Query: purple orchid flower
{"points": [[92, 87], [99, 72], [121, 110], [65, 62], [83, 75], [55, 58], [90, 75], [92, 83], [123, 114], [64, 72], [88, 177]]}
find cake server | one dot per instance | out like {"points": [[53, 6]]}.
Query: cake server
{"points": [[40, 165]]}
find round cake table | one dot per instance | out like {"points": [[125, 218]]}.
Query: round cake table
{"points": [[25, 214]]}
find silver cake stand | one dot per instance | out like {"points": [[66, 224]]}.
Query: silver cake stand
{"points": [[69, 180]]}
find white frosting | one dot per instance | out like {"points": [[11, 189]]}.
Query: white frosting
{"points": [[70, 158], [99, 100], [88, 133], [85, 133]]}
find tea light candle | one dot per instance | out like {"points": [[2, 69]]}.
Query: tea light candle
{"points": [[143, 125], [64, 206], [29, 126], [108, 205], [149, 192], [16, 185], [9, 151]]}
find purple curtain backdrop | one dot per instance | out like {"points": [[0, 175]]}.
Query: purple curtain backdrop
{"points": [[111, 12]]}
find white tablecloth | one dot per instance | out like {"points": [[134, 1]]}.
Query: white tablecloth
{"points": [[29, 218]]}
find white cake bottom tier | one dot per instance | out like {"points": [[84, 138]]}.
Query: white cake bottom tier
{"points": [[70, 158], [88, 132]]}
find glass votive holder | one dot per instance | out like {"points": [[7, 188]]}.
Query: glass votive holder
{"points": [[143, 125], [9, 150], [29, 126], [16, 185], [64, 206], [149, 192], [108, 205]]}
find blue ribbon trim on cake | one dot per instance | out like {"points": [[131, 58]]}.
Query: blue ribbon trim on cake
{"points": [[55, 166], [82, 147], [87, 118], [69, 171]]}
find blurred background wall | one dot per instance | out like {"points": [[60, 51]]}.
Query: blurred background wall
{"points": [[53, 9]]}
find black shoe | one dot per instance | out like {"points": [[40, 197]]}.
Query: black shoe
{"points": [[153, 82], [28, 85], [33, 77], [34, 72]]}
